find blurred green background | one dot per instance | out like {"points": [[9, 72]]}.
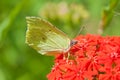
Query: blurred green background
{"points": [[20, 62]]}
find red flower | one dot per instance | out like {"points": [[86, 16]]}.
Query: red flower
{"points": [[92, 58], [111, 74]]}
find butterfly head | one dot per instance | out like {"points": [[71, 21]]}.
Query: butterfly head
{"points": [[73, 42]]}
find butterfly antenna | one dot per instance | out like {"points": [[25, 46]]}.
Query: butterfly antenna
{"points": [[81, 29]]}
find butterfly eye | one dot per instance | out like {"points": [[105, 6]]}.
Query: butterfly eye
{"points": [[73, 42]]}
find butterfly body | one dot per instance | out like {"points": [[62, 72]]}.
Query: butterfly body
{"points": [[46, 38]]}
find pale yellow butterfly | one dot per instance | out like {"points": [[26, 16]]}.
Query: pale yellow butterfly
{"points": [[46, 38]]}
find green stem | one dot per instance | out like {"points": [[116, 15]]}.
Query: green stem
{"points": [[107, 15], [5, 26]]}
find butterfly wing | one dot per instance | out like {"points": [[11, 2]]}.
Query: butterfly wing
{"points": [[44, 37]]}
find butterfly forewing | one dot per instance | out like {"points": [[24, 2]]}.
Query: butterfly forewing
{"points": [[44, 37]]}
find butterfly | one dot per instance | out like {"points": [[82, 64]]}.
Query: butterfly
{"points": [[46, 38]]}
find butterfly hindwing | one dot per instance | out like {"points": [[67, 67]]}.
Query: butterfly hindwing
{"points": [[44, 37]]}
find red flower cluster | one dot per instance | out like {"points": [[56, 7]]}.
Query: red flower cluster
{"points": [[92, 58]]}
